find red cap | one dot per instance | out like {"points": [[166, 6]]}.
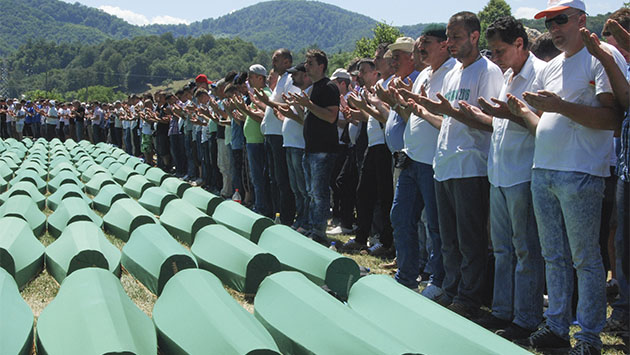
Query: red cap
{"points": [[202, 78]]}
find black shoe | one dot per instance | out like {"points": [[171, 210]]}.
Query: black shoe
{"points": [[383, 252], [319, 239], [515, 332], [491, 322], [466, 311], [545, 340], [352, 246], [584, 348]]}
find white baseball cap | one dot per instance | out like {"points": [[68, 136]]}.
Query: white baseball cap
{"points": [[555, 6], [340, 74]]}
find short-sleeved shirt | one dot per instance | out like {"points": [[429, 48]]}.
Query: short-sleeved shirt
{"points": [[395, 125], [270, 123], [512, 145], [292, 130], [561, 143], [420, 137], [462, 151], [319, 135], [52, 117], [251, 129]]}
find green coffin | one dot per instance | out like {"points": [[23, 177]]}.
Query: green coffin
{"points": [[175, 186], [132, 162], [32, 176], [107, 162], [107, 195], [26, 188], [320, 264], [92, 170], [71, 210], [3, 185], [422, 324], [35, 166], [142, 168], [84, 164], [113, 167], [183, 220], [9, 162], [64, 177], [241, 220], [16, 319], [156, 176], [101, 157], [22, 206], [82, 244], [65, 166], [136, 185], [123, 173], [196, 316], [202, 199], [21, 254], [65, 191], [92, 315], [152, 256], [5, 172], [59, 159], [155, 199], [304, 319], [98, 181], [239, 263], [125, 216]]}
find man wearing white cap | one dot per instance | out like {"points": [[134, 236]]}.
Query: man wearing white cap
{"points": [[571, 157]]}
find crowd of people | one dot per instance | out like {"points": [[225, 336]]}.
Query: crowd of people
{"points": [[457, 163]]}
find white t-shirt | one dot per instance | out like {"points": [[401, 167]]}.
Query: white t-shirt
{"points": [[98, 115], [293, 131], [462, 151], [270, 123], [561, 143], [420, 137], [20, 116], [512, 146], [353, 131], [52, 116], [118, 112], [375, 132]]}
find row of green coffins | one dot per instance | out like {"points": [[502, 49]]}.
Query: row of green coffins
{"points": [[153, 257]]}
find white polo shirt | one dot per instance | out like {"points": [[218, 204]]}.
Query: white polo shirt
{"points": [[561, 143], [462, 152], [420, 137], [270, 123], [512, 145], [293, 131]]}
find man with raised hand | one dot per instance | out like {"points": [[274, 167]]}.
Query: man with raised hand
{"points": [[571, 157], [271, 127], [415, 189], [460, 166], [517, 304]]}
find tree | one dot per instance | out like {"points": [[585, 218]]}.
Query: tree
{"points": [[492, 11], [383, 33]]}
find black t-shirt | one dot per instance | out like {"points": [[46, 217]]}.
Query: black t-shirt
{"points": [[319, 135], [3, 116], [162, 127], [80, 114]]}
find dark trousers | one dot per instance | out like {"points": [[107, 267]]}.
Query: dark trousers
{"points": [[463, 207], [346, 183], [281, 194], [135, 137], [4, 130], [375, 185], [237, 170], [215, 181]]}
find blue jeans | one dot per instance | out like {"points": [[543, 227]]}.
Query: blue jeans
{"points": [[621, 307], [126, 137], [36, 127], [518, 263], [568, 208], [282, 197], [463, 206], [191, 170], [317, 171], [415, 191], [298, 186], [256, 161]]}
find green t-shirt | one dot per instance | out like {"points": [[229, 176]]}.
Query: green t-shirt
{"points": [[252, 128]]}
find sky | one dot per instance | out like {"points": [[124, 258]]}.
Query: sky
{"points": [[393, 12]]}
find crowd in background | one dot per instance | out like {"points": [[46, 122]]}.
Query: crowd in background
{"points": [[488, 174]]}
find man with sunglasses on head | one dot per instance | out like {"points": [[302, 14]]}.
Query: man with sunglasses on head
{"points": [[571, 157]]}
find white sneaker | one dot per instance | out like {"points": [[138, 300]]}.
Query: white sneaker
{"points": [[338, 230], [433, 292]]}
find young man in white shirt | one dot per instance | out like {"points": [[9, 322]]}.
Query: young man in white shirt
{"points": [[571, 158], [517, 304], [460, 166]]}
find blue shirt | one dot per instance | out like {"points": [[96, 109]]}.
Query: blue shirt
{"points": [[395, 126], [238, 137]]}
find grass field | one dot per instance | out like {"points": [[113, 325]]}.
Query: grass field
{"points": [[41, 291]]}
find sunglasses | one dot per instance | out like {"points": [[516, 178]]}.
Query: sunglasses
{"points": [[560, 20], [606, 34]]}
